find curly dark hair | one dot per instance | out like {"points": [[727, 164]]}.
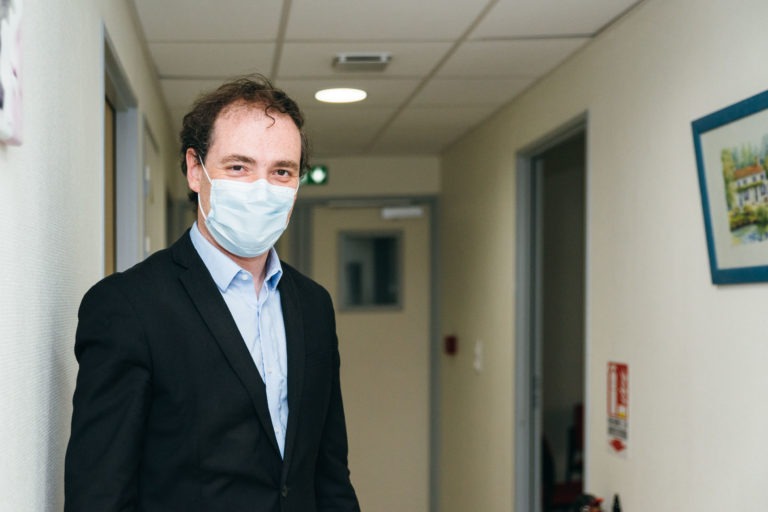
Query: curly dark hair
{"points": [[197, 126]]}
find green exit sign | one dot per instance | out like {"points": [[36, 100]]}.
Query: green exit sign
{"points": [[316, 175]]}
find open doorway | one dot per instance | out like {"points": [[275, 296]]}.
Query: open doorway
{"points": [[550, 338]]}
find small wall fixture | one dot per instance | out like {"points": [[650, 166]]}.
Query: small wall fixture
{"points": [[341, 95], [401, 212]]}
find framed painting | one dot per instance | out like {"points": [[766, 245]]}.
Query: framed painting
{"points": [[10, 71], [732, 159]]}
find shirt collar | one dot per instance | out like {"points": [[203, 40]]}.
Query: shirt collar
{"points": [[223, 269]]}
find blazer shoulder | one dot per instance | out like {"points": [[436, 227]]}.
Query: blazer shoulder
{"points": [[305, 286], [149, 274]]}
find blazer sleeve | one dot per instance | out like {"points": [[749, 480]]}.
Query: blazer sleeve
{"points": [[333, 488], [110, 404]]}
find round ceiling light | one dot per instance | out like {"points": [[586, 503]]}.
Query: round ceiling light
{"points": [[340, 95]]}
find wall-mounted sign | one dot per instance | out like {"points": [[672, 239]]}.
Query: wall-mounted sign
{"points": [[618, 407], [316, 175], [10, 71]]}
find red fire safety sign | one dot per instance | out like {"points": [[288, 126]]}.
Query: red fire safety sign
{"points": [[618, 407]]}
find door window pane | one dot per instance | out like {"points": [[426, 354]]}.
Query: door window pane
{"points": [[370, 270]]}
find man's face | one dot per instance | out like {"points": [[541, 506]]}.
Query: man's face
{"points": [[247, 145]]}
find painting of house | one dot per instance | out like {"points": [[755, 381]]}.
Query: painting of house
{"points": [[751, 186]]}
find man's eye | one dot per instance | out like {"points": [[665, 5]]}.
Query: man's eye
{"points": [[284, 173], [237, 168]]}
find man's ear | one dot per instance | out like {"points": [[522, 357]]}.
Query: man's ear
{"points": [[194, 170]]}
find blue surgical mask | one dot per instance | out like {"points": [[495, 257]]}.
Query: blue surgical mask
{"points": [[247, 218]]}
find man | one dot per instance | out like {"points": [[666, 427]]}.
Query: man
{"points": [[209, 373]]}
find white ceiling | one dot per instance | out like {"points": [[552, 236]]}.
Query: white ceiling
{"points": [[454, 62]]}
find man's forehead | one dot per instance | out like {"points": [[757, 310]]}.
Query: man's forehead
{"points": [[242, 107], [235, 119], [244, 111]]}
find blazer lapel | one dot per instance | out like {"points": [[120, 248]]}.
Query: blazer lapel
{"points": [[215, 313], [295, 348]]}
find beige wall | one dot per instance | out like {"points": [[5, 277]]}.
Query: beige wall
{"points": [[697, 367], [359, 178], [51, 229], [381, 176]]}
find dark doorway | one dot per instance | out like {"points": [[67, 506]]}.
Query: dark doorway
{"points": [[561, 173], [550, 312]]}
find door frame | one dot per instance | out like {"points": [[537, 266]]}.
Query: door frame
{"points": [[301, 236], [129, 186], [528, 315]]}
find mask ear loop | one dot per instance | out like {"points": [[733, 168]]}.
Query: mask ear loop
{"points": [[199, 202]]}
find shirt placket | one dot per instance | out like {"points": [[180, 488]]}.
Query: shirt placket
{"points": [[268, 355]]}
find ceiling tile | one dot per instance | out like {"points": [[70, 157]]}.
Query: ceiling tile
{"points": [[182, 93], [518, 59], [342, 20], [340, 116], [425, 130], [465, 92], [526, 18], [338, 128], [222, 20], [202, 60], [316, 59]]}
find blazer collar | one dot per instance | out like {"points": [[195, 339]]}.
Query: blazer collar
{"points": [[214, 312], [296, 349]]}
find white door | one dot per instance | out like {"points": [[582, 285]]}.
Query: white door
{"points": [[385, 349]]}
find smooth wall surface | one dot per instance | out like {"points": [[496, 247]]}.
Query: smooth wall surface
{"points": [[381, 176], [697, 353], [52, 229]]}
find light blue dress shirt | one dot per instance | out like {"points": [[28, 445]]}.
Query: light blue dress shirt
{"points": [[259, 317]]}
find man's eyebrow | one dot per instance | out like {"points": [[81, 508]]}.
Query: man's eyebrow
{"points": [[291, 164], [237, 158], [287, 163]]}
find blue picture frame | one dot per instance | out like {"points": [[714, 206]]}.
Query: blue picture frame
{"points": [[731, 148]]}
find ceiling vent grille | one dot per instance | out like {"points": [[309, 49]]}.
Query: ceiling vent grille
{"points": [[361, 61]]}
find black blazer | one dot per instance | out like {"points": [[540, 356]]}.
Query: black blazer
{"points": [[170, 412]]}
